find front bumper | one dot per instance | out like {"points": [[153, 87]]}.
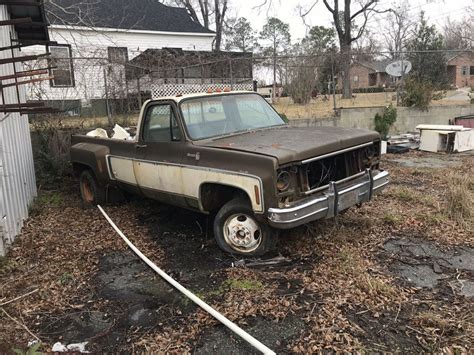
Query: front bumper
{"points": [[339, 196]]}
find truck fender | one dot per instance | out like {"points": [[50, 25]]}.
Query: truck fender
{"points": [[92, 156], [213, 196]]}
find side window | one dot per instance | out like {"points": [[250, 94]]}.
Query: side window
{"points": [[161, 125]]}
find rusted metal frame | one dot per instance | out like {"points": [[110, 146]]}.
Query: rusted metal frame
{"points": [[26, 110], [16, 21], [20, 3], [32, 42], [17, 83], [14, 73], [27, 44], [40, 110], [22, 59], [35, 24], [24, 105], [22, 74]]}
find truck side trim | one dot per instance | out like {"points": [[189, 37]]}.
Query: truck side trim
{"points": [[181, 179]]}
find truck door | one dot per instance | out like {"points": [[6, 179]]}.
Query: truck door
{"points": [[159, 153]]}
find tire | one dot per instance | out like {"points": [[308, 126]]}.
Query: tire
{"points": [[92, 192], [237, 231]]}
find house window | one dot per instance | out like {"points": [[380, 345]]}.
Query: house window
{"points": [[464, 70], [356, 78], [62, 68], [117, 54], [472, 70]]}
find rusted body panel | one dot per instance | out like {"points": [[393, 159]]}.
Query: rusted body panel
{"points": [[291, 144], [202, 174]]}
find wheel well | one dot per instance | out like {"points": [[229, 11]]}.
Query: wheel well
{"points": [[78, 168], [214, 196]]}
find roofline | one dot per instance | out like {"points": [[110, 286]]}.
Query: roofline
{"points": [[459, 54], [122, 30], [368, 66]]}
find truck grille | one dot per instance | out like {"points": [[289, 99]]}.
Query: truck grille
{"points": [[321, 172]]}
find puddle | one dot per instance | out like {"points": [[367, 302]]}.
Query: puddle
{"points": [[424, 264]]}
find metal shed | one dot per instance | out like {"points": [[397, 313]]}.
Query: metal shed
{"points": [[21, 24]]}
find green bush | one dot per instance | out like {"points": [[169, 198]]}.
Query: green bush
{"points": [[284, 117], [419, 94], [385, 121]]}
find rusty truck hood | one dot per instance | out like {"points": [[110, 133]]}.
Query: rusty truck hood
{"points": [[290, 144]]}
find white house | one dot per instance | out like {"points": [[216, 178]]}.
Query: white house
{"points": [[95, 38], [21, 24]]}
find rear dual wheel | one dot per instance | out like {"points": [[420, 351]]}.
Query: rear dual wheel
{"points": [[237, 231]]}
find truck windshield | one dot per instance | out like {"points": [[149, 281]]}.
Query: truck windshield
{"points": [[213, 116]]}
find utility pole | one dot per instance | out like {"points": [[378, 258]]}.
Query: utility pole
{"points": [[400, 84], [333, 82], [274, 67], [107, 105]]}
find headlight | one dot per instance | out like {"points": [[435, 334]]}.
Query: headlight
{"points": [[283, 181]]}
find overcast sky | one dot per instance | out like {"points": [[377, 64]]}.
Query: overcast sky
{"points": [[437, 11]]}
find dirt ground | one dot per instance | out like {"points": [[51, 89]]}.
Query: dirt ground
{"points": [[396, 274]]}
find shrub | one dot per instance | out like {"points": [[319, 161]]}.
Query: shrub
{"points": [[301, 85], [385, 121], [419, 94], [284, 117]]}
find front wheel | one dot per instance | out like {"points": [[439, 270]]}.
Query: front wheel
{"points": [[237, 231], [92, 192]]}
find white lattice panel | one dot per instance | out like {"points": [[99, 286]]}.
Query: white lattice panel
{"points": [[161, 90]]}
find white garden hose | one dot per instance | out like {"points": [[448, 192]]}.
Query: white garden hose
{"points": [[232, 326]]}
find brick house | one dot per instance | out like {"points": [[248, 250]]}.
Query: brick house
{"points": [[461, 70], [366, 75]]}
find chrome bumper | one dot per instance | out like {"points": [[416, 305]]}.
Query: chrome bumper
{"points": [[338, 197]]}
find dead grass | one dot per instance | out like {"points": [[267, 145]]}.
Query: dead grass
{"points": [[460, 198], [325, 108], [340, 284]]}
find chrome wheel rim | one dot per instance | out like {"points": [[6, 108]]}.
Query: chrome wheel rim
{"points": [[242, 233]]}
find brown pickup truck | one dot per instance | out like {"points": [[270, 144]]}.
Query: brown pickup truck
{"points": [[232, 154]]}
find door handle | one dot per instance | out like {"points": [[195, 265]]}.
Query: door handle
{"points": [[196, 156], [138, 146]]}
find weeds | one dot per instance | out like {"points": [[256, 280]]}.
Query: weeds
{"points": [[65, 278], [32, 350], [391, 219], [232, 284], [45, 199], [460, 199], [7, 265], [404, 194]]}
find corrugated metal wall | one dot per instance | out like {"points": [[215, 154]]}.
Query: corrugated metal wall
{"points": [[17, 175]]}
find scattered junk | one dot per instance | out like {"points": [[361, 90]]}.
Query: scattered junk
{"points": [[445, 138], [119, 133], [276, 261], [401, 143], [75, 348], [98, 132], [465, 121]]}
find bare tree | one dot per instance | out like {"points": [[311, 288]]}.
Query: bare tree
{"points": [[460, 34], [347, 31], [397, 29], [207, 13]]}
